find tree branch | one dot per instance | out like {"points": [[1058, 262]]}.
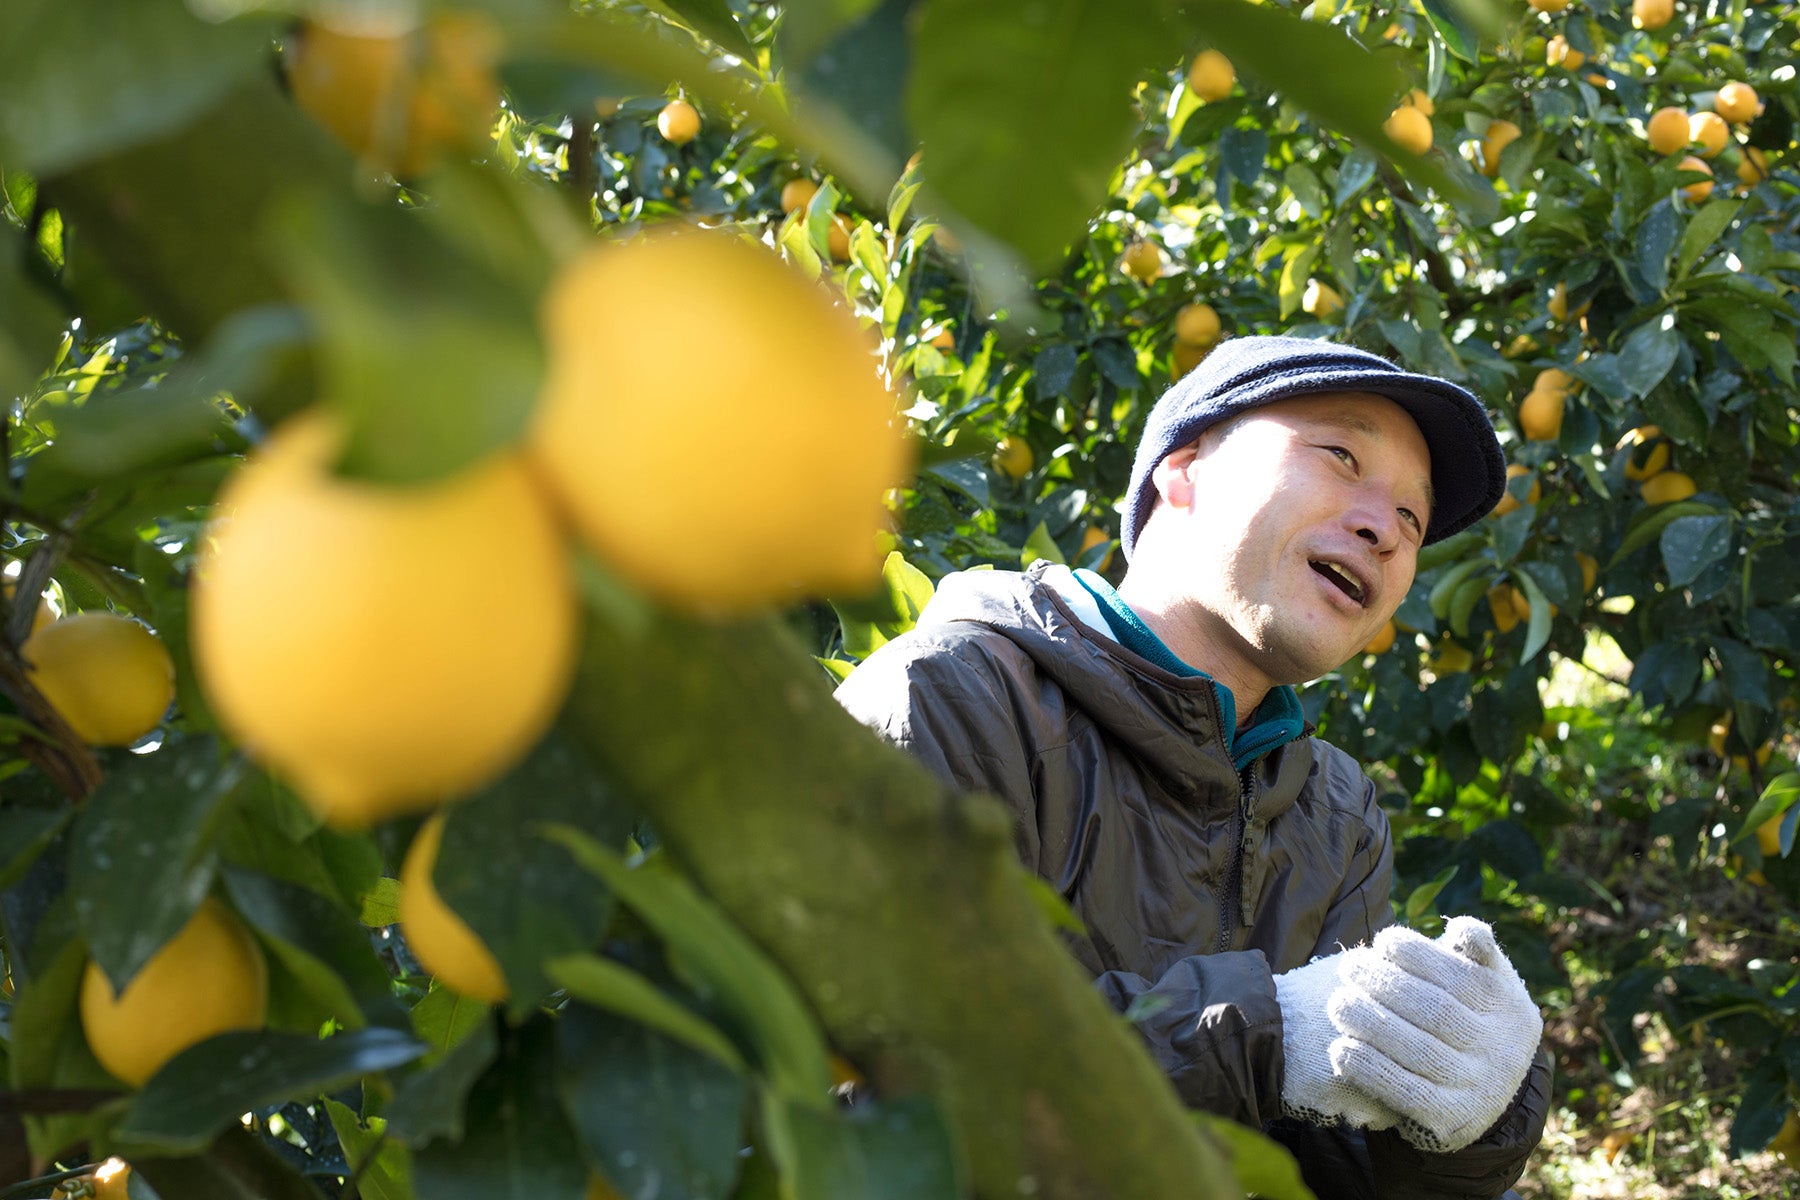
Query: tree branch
{"points": [[897, 907]]}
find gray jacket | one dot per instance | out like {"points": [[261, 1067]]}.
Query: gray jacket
{"points": [[1194, 883]]}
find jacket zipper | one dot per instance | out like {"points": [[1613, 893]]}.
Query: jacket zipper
{"points": [[1231, 910]]}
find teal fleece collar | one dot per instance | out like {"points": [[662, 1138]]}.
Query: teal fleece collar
{"points": [[1276, 721]]}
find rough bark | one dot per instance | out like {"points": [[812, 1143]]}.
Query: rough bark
{"points": [[896, 906]]}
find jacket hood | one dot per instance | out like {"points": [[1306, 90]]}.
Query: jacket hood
{"points": [[1170, 723]]}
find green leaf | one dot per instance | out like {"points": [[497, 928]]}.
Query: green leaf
{"points": [[1041, 545], [383, 1170], [809, 25], [1648, 525], [714, 19], [656, 1116], [516, 1143], [1702, 231], [894, 608], [24, 832], [431, 353], [616, 988], [207, 1087], [860, 71], [1537, 633], [238, 1166], [523, 896], [1263, 1166], [1655, 239], [85, 77], [1053, 370], [432, 1103], [322, 946], [1691, 544], [788, 1046], [1026, 107], [33, 323], [1648, 354], [143, 844], [887, 1150], [381, 906], [1777, 797], [445, 1018]]}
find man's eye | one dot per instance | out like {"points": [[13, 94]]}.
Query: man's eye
{"points": [[1411, 518], [1342, 454]]}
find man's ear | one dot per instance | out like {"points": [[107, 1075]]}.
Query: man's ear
{"points": [[1172, 479]]}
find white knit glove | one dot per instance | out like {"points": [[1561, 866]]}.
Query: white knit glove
{"points": [[1441, 1032], [1311, 1090]]}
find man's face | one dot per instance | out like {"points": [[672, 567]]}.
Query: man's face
{"points": [[1303, 531]]}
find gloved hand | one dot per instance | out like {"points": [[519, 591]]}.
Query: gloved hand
{"points": [[1441, 1032], [1311, 1090]]}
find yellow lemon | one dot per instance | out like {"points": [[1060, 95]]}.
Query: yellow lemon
{"points": [[1652, 14], [678, 122], [1702, 188], [1667, 130], [1420, 99], [1095, 536], [1383, 641], [1709, 131], [1590, 570], [402, 98], [1649, 452], [1541, 414], [1752, 168], [1197, 325], [441, 941], [1499, 135], [797, 193], [1013, 457], [1143, 261], [1450, 658], [1737, 103], [1549, 6], [1410, 128], [109, 677], [1786, 1143], [387, 647], [944, 339], [713, 423], [1666, 487], [1558, 53], [1321, 300], [1185, 358], [207, 979], [109, 1181], [1508, 501], [1211, 76], [1768, 834], [1508, 605], [837, 237]]}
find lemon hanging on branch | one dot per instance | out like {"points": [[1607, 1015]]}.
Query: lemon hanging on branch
{"points": [[206, 980], [107, 676], [713, 423], [387, 647]]}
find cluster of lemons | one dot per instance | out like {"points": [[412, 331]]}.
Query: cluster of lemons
{"points": [[1672, 130], [390, 648], [1649, 466]]}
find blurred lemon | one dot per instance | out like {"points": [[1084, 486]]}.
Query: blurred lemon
{"points": [[399, 97], [1211, 76], [388, 647], [440, 939], [713, 423]]}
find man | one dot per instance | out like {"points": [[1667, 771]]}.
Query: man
{"points": [[1232, 873]]}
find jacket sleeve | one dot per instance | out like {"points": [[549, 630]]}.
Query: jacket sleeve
{"points": [[1213, 1024]]}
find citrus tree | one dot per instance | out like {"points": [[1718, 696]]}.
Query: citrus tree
{"points": [[481, 773]]}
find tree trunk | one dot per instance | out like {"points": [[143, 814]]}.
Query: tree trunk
{"points": [[897, 907]]}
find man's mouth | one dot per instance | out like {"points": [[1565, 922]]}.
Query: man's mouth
{"points": [[1344, 580]]}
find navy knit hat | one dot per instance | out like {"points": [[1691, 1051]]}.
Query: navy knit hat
{"points": [[1468, 472]]}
